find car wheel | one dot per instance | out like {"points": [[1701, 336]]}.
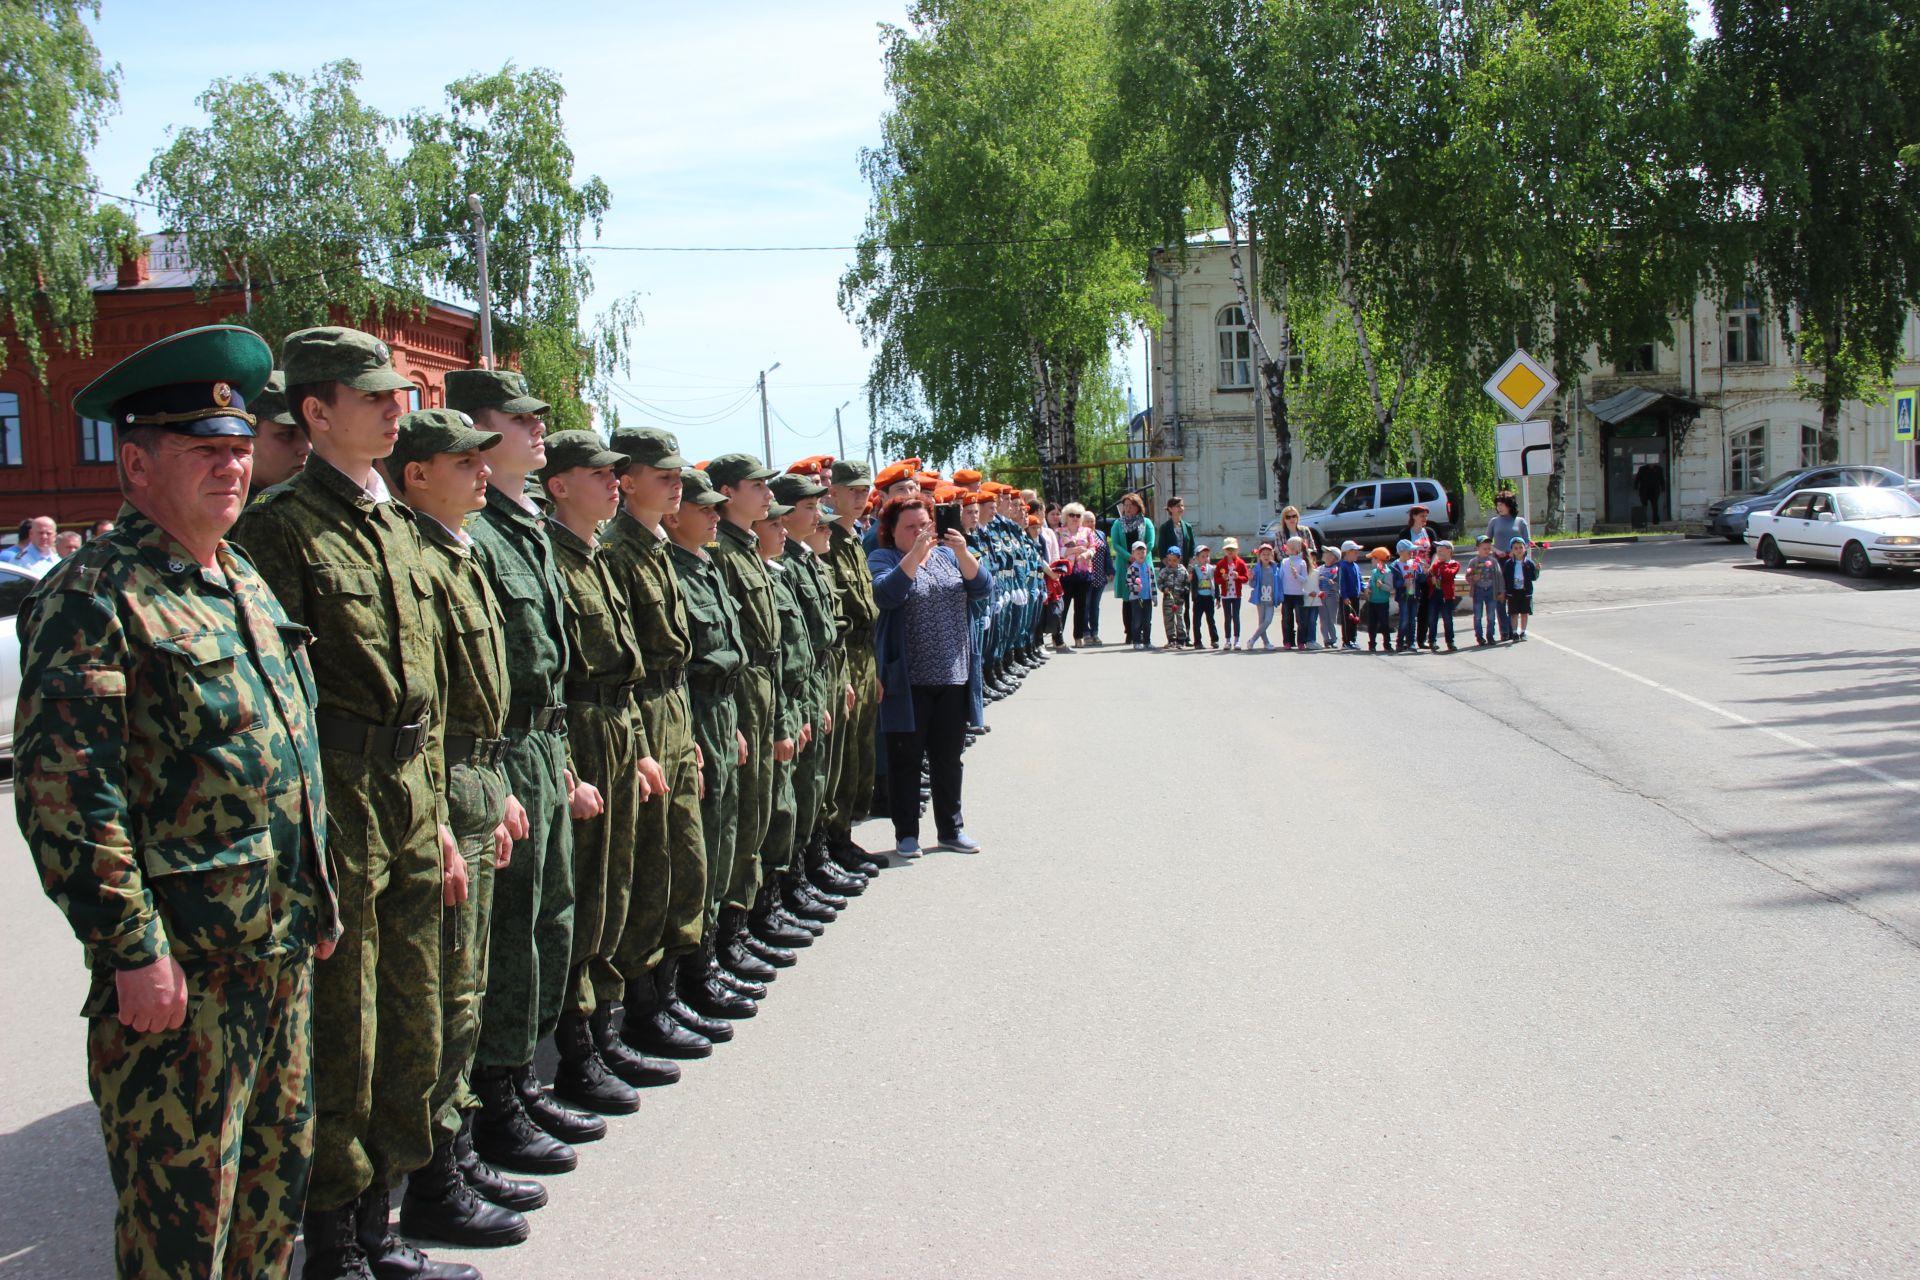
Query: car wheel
{"points": [[1770, 553], [1854, 562]]}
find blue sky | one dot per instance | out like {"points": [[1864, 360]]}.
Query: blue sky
{"points": [[739, 126]]}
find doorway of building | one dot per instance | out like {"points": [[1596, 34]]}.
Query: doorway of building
{"points": [[1632, 448]]}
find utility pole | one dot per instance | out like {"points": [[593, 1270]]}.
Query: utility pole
{"points": [[839, 436], [480, 261], [766, 421]]}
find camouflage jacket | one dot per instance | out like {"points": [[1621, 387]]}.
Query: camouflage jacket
{"points": [[818, 601], [169, 777], [797, 700], [476, 697], [518, 556], [638, 557], [736, 554], [599, 623], [718, 649], [853, 581]]}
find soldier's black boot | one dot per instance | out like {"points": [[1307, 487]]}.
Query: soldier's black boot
{"points": [[582, 1078], [849, 854], [650, 1025], [778, 956], [388, 1256], [771, 926], [503, 1133], [828, 874], [521, 1194], [439, 1205], [702, 988], [669, 979], [563, 1122], [637, 1069], [333, 1250], [813, 888], [801, 904], [754, 991], [731, 929]]}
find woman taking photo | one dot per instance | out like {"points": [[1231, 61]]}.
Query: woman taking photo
{"points": [[922, 638]]}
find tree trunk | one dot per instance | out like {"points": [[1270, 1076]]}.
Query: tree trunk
{"points": [[1556, 515], [1066, 486], [1046, 409], [1275, 377]]}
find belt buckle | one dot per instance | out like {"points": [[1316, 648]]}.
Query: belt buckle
{"points": [[408, 741], [553, 719]]}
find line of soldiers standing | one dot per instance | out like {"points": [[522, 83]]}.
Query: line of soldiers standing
{"points": [[512, 731]]}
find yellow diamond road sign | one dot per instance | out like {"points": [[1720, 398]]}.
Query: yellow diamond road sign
{"points": [[1522, 385]]}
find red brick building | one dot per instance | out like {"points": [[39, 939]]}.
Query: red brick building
{"points": [[54, 463]]}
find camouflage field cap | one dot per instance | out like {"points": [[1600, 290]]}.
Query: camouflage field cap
{"points": [[426, 432], [194, 383], [271, 404], [347, 356], [791, 488], [777, 510], [472, 390], [697, 488], [569, 449], [649, 447], [852, 472], [737, 468]]}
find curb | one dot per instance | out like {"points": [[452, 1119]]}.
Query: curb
{"points": [[1617, 539]]}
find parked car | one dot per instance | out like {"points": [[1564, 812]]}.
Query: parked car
{"points": [[1860, 529], [1374, 509], [16, 582], [1728, 516]]}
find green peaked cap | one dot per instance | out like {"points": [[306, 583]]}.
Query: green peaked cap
{"points": [[212, 367]]}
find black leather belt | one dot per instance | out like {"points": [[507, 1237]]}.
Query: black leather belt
{"points": [[714, 682], [465, 749], [763, 657], [599, 695], [524, 715], [399, 742], [664, 681]]}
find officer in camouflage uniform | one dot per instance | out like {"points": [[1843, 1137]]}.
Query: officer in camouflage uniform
{"points": [[820, 603], [354, 570], [742, 481], [676, 1005], [852, 482], [520, 1125], [169, 791], [609, 746], [438, 468], [713, 679]]}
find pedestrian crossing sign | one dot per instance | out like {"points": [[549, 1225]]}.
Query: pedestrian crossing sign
{"points": [[1904, 412], [1522, 385]]}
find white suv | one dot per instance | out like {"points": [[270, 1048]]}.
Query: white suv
{"points": [[1375, 509]]}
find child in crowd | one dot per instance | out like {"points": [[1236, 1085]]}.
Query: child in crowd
{"points": [[1520, 571], [1175, 582], [1441, 594], [1350, 591], [1489, 594], [1307, 637], [1379, 594], [1202, 571], [1230, 580], [1329, 597], [1406, 595], [1263, 588], [1137, 608], [1293, 586]]}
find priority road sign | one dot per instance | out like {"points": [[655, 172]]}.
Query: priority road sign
{"points": [[1522, 385]]}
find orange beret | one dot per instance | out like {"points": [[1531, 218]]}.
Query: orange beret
{"points": [[976, 497], [702, 464], [947, 493], [929, 479], [813, 466], [893, 473], [967, 479], [1033, 522]]}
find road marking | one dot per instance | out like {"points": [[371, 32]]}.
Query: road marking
{"points": [[1799, 743]]}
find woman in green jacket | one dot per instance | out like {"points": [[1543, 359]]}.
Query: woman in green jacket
{"points": [[1130, 527]]}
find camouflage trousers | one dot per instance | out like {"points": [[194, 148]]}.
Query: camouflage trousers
{"points": [[753, 700], [811, 767], [209, 1127], [376, 999], [668, 909], [532, 943], [476, 804], [605, 751], [715, 724], [858, 735]]}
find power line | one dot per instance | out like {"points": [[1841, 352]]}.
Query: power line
{"points": [[792, 430]]}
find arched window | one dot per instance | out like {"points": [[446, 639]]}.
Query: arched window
{"points": [[1236, 349]]}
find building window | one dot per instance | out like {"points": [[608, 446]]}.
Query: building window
{"points": [[1236, 349], [9, 429], [1747, 460], [413, 400], [1638, 360], [1746, 330], [96, 440], [1816, 447]]}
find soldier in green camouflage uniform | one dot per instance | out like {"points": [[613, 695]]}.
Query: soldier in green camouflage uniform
{"points": [[609, 746], [353, 569], [852, 482], [438, 468], [280, 445], [742, 480], [169, 791], [520, 1125], [713, 679], [676, 1005]]}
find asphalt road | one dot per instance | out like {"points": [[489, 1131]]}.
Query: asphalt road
{"points": [[1597, 955]]}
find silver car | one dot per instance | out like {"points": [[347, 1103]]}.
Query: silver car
{"points": [[1728, 517], [16, 582], [1374, 509]]}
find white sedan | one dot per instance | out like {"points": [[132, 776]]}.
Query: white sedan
{"points": [[1860, 529]]}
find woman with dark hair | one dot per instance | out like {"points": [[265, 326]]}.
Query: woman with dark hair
{"points": [[1507, 523], [922, 638], [1129, 527], [1422, 539]]}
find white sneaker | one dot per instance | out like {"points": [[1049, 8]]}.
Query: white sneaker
{"points": [[908, 848], [959, 843]]}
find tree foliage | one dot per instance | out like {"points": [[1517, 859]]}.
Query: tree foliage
{"points": [[55, 95]]}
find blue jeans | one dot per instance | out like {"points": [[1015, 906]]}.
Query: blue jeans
{"points": [[1493, 610], [1096, 590], [1309, 623], [1439, 614], [1409, 620]]}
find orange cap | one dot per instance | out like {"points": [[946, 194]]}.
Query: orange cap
{"points": [[929, 479], [976, 497], [947, 493]]}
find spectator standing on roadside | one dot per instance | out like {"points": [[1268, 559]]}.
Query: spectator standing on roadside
{"points": [[1129, 527], [1263, 588], [1177, 530], [65, 543], [1421, 537], [1379, 595], [1507, 523], [1351, 589], [1442, 594], [1518, 575], [1102, 574], [1175, 585], [1077, 540], [1230, 580], [1290, 527], [1137, 607], [35, 547], [1203, 595], [1489, 594]]}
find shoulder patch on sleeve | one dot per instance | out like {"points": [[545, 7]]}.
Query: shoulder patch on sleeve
{"points": [[83, 682]]}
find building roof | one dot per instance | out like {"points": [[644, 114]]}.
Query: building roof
{"points": [[1633, 401], [168, 267]]}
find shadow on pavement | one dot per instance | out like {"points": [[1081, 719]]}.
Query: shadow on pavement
{"points": [[1894, 580], [58, 1197]]}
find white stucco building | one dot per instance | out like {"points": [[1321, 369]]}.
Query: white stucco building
{"points": [[1716, 410]]}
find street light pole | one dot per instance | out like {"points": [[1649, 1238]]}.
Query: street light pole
{"points": [[766, 421], [480, 262], [839, 435]]}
